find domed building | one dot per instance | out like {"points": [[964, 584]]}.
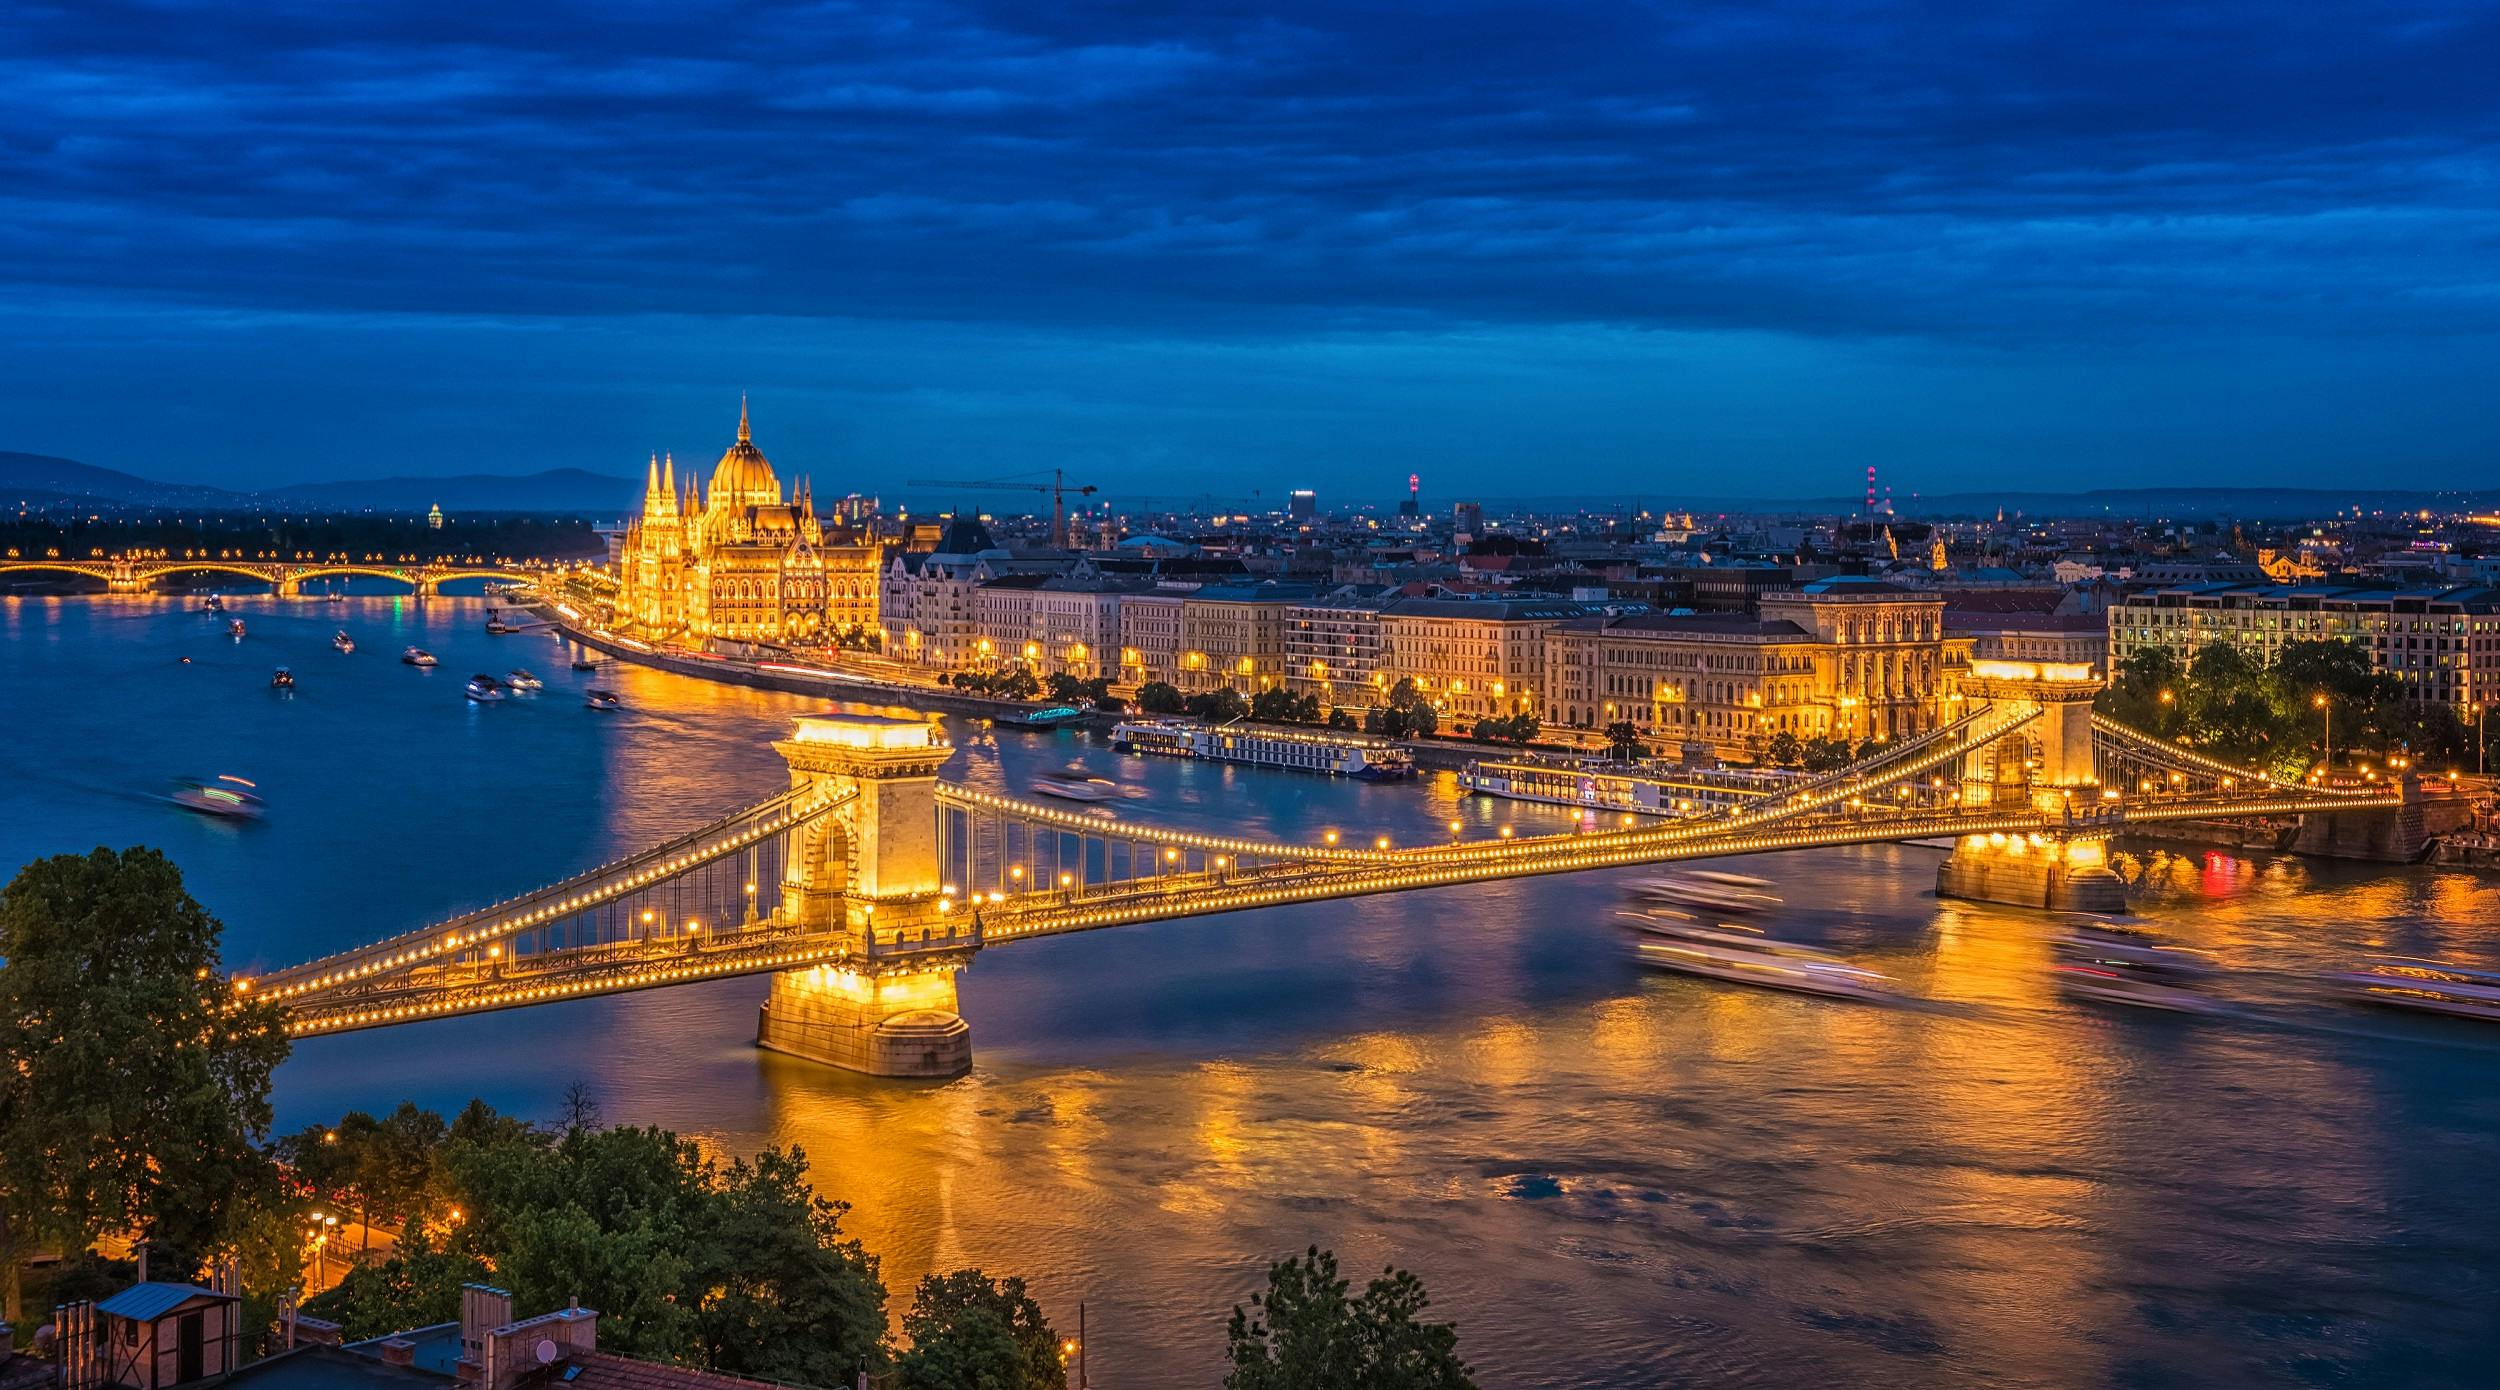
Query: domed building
{"points": [[732, 561]]}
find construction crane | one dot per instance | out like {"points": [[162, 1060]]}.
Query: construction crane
{"points": [[1058, 487]]}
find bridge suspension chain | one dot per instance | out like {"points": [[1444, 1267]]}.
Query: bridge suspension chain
{"points": [[557, 902]]}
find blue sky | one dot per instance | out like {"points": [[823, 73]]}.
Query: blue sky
{"points": [[1519, 248]]}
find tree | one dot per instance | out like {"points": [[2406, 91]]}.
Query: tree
{"points": [[418, 1286], [1785, 749], [1222, 705], [1282, 706], [1303, 1333], [784, 1294], [1341, 719], [1623, 741], [1822, 754], [1160, 697], [140, 1077], [969, 1332]]}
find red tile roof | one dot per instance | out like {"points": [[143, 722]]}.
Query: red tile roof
{"points": [[600, 1371]]}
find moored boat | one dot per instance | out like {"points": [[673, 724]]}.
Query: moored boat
{"points": [[1336, 754], [1648, 789], [1049, 717]]}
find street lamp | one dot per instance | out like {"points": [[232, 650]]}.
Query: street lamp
{"points": [[2328, 710]]}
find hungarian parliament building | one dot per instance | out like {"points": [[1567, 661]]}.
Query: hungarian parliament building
{"points": [[733, 561]]}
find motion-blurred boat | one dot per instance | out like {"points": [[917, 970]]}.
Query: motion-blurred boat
{"points": [[226, 797], [484, 688], [602, 699], [1075, 784], [417, 656], [343, 642], [2112, 964], [520, 679], [2423, 986]]}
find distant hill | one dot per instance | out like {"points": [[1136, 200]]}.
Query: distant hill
{"points": [[556, 490], [42, 480], [40, 477]]}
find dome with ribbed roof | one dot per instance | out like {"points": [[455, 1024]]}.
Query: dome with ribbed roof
{"points": [[743, 478]]}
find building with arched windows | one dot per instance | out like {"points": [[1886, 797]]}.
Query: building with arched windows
{"points": [[731, 560]]}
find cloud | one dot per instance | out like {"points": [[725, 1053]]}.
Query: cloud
{"points": [[2066, 178]]}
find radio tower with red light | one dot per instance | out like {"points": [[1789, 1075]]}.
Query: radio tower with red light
{"points": [[1414, 503]]}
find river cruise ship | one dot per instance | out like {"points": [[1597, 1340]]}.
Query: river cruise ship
{"points": [[1648, 789], [1338, 755]]}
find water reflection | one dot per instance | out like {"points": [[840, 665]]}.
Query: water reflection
{"points": [[1609, 1178]]}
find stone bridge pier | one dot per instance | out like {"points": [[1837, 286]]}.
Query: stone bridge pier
{"points": [[887, 1005], [2045, 766]]}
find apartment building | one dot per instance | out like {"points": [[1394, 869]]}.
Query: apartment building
{"points": [[2442, 642]]}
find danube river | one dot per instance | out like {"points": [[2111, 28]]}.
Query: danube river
{"points": [[1606, 1178]]}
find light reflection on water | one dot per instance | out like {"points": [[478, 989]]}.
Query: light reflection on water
{"points": [[1606, 1178]]}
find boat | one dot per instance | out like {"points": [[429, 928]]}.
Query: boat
{"points": [[2111, 964], [583, 663], [483, 687], [602, 699], [1336, 754], [2423, 986], [1646, 788], [1742, 955], [520, 679], [1049, 717], [227, 797], [213, 605], [334, 596], [1076, 784], [282, 679], [497, 627], [235, 629], [417, 656], [1709, 890], [343, 642]]}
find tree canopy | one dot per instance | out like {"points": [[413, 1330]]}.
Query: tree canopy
{"points": [[2235, 704], [140, 1083], [1304, 1333], [970, 1332]]}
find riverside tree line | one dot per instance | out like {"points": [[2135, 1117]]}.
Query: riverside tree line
{"points": [[137, 1103]]}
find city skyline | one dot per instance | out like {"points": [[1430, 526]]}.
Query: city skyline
{"points": [[1718, 253]]}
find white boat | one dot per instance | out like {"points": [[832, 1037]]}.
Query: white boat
{"points": [[226, 797], [1796, 969], [2422, 986], [483, 688], [1648, 789], [602, 699], [2124, 965], [343, 642], [417, 656], [519, 679], [1336, 754], [1076, 784], [1709, 890]]}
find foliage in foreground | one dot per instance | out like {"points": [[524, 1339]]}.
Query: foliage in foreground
{"points": [[139, 1081], [1304, 1333]]}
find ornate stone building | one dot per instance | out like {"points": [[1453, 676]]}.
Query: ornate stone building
{"points": [[733, 561]]}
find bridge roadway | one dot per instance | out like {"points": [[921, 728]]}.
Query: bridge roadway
{"points": [[121, 575], [468, 985]]}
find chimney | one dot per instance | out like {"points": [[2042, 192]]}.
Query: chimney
{"points": [[482, 1310], [399, 1351]]}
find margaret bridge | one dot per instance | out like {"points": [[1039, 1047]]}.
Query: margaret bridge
{"points": [[866, 886], [126, 575]]}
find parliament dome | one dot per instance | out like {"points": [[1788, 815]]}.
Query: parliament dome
{"points": [[743, 478]]}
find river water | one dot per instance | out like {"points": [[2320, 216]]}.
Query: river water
{"points": [[1605, 1177]]}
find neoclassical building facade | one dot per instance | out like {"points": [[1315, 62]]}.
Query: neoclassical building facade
{"points": [[731, 560]]}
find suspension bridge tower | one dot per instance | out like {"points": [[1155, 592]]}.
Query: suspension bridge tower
{"points": [[2046, 766], [868, 869]]}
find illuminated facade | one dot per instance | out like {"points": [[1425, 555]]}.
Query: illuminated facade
{"points": [[734, 561]]}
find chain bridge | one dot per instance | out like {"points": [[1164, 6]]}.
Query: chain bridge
{"points": [[127, 575], [864, 888]]}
